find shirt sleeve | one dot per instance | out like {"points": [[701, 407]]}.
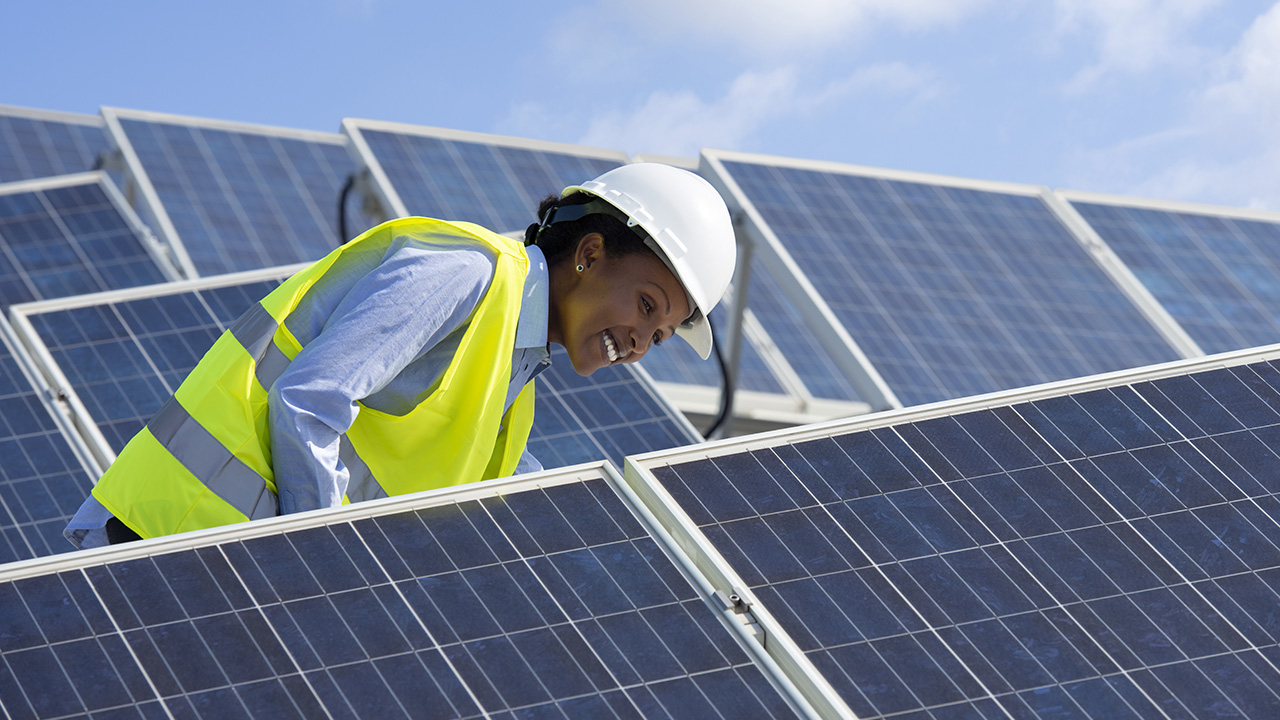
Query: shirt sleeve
{"points": [[392, 315]]}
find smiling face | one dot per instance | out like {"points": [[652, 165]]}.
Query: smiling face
{"points": [[616, 309]]}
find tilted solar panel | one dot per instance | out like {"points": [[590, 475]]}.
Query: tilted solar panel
{"points": [[1214, 269], [72, 235], [541, 599], [230, 197], [489, 180], [39, 144], [1104, 548], [950, 288], [43, 473], [123, 355]]}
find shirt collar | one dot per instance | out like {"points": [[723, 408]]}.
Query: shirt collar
{"points": [[531, 328]]}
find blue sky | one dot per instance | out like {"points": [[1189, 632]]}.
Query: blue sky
{"points": [[1177, 100]]}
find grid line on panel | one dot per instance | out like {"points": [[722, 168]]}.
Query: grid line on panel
{"points": [[1213, 273], [245, 199], [1085, 568], [33, 147], [328, 619], [68, 239], [950, 291], [494, 184], [41, 473]]}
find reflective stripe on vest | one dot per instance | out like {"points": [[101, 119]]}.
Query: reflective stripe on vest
{"points": [[206, 458], [233, 481]]}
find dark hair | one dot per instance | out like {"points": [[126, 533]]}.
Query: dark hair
{"points": [[559, 240]]}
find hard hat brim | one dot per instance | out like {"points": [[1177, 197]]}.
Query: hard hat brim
{"points": [[697, 333]]}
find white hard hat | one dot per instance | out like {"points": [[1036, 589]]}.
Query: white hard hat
{"points": [[688, 227]]}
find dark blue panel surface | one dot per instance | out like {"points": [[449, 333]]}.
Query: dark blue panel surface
{"points": [[41, 480], [1216, 275], [64, 241], [1124, 569], [242, 200], [36, 146], [494, 185], [125, 359], [330, 622], [949, 291]]}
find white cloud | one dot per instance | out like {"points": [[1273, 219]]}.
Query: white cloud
{"points": [[771, 27], [1227, 150], [1133, 36], [681, 123]]}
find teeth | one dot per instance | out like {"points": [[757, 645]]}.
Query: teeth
{"points": [[609, 346]]}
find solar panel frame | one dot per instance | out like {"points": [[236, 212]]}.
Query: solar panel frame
{"points": [[808, 300], [138, 179], [610, 430], [385, 191], [75, 412], [85, 156], [640, 474], [1179, 209], [132, 222], [691, 398], [41, 569], [50, 401]]}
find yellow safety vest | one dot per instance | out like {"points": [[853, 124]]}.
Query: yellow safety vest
{"points": [[205, 459]]}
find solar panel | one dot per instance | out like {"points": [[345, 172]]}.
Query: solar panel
{"points": [[489, 180], [71, 235], [40, 143], [230, 197], [540, 599], [43, 475], [949, 288], [124, 354], [1213, 269], [1102, 548]]}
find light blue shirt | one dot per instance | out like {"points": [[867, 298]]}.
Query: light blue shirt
{"points": [[382, 339]]}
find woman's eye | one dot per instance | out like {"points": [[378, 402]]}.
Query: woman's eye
{"points": [[657, 339], [647, 307]]}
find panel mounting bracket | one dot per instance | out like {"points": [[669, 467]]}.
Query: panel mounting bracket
{"points": [[735, 602]]}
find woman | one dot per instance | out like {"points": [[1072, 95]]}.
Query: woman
{"points": [[404, 360]]}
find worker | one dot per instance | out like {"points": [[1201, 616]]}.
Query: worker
{"points": [[403, 361]]}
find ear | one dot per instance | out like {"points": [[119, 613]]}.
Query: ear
{"points": [[590, 250]]}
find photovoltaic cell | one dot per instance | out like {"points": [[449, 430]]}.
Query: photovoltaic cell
{"points": [[68, 238], [125, 358], [36, 144], [950, 291], [41, 480], [493, 184], [240, 198], [1106, 553], [1215, 274], [552, 602]]}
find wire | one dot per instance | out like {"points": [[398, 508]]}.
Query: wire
{"points": [[726, 387], [342, 208]]}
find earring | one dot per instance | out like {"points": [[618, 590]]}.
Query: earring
{"points": [[580, 269]]}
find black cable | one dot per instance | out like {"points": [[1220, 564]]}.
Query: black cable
{"points": [[342, 208], [726, 386]]}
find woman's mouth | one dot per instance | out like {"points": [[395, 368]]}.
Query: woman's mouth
{"points": [[610, 347]]}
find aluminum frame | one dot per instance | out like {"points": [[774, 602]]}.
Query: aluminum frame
{"points": [[822, 319], [103, 180], [639, 474], [72, 408], [138, 181], [603, 470], [386, 194]]}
